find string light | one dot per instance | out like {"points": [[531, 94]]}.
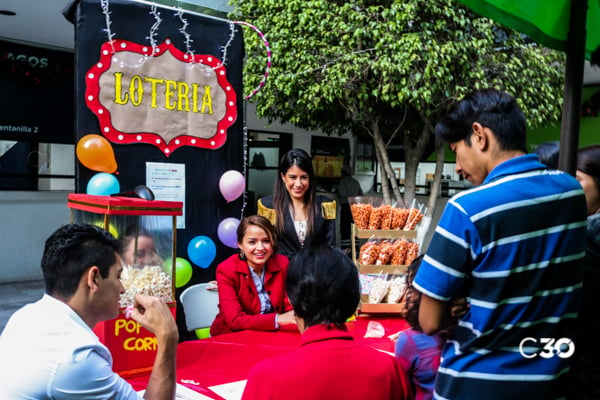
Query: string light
{"points": [[185, 33], [324, 66], [154, 28], [106, 12], [245, 170], [268, 65]]}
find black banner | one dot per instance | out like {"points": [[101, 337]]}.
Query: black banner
{"points": [[130, 21]]}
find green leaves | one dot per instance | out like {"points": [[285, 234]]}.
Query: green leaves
{"points": [[338, 65]]}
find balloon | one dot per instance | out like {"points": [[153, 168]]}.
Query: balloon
{"points": [[202, 333], [183, 272], [202, 251], [227, 232], [103, 184], [232, 184], [96, 153]]}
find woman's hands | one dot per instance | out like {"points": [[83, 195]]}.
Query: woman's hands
{"points": [[287, 318]]}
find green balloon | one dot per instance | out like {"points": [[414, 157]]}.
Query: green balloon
{"points": [[202, 333], [183, 272]]}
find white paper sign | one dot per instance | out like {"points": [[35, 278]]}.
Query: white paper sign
{"points": [[167, 181], [231, 390]]}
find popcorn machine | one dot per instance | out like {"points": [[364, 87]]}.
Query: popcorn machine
{"points": [[147, 231]]}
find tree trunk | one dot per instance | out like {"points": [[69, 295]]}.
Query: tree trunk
{"points": [[413, 152], [385, 184], [384, 161], [435, 186]]}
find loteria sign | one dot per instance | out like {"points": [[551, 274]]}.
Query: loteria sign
{"points": [[161, 96]]}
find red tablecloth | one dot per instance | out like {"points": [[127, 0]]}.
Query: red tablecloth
{"points": [[228, 358]]}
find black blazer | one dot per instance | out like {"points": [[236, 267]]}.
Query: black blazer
{"points": [[287, 241]]}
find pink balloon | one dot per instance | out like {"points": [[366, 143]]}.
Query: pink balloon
{"points": [[232, 184]]}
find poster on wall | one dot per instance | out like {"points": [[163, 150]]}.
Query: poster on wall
{"points": [[163, 86], [167, 182]]}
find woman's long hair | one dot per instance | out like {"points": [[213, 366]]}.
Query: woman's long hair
{"points": [[281, 197]]}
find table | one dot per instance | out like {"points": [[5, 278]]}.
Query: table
{"points": [[229, 357]]}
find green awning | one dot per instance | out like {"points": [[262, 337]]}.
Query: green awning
{"points": [[546, 22]]}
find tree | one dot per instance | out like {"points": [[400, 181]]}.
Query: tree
{"points": [[390, 69]]}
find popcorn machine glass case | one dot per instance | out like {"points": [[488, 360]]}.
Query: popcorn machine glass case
{"points": [[147, 231]]}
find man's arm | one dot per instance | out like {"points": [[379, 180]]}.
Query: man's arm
{"points": [[153, 314], [433, 314]]}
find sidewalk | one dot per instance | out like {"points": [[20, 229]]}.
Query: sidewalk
{"points": [[15, 295]]}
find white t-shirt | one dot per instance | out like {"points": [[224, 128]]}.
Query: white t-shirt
{"points": [[48, 352]]}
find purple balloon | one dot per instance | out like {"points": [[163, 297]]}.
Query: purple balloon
{"points": [[227, 232], [232, 184]]}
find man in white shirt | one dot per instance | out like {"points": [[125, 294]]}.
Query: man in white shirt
{"points": [[48, 349]]}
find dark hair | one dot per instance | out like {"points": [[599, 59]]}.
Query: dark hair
{"points": [[322, 285], [281, 197], [413, 301], [72, 249], [588, 162], [548, 153], [413, 296], [132, 232], [493, 109], [261, 222]]}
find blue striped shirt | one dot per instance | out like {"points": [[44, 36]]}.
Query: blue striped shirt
{"points": [[514, 246]]}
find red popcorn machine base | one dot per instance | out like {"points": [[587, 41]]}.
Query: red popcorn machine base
{"points": [[133, 347]]}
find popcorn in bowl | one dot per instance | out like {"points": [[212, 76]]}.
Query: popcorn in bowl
{"points": [[149, 280]]}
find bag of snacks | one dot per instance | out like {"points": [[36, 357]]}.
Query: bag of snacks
{"points": [[399, 217], [379, 289], [376, 217], [412, 252], [361, 207], [369, 252], [415, 216], [386, 217], [400, 247], [386, 250], [397, 289]]}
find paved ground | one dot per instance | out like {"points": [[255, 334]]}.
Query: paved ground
{"points": [[15, 295]]}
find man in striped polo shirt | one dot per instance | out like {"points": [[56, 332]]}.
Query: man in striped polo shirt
{"points": [[513, 244]]}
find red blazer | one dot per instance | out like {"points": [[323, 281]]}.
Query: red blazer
{"points": [[239, 305], [329, 365]]}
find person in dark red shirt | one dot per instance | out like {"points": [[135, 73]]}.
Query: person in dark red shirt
{"points": [[323, 287]]}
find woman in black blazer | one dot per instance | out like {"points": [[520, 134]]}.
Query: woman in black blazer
{"points": [[300, 216]]}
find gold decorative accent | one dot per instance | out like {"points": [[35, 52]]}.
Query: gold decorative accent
{"points": [[328, 208], [268, 213]]}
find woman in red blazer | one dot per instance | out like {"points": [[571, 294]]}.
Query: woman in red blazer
{"points": [[252, 283]]}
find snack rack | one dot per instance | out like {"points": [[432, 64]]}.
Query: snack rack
{"points": [[363, 235]]}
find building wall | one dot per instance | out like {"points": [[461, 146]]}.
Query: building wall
{"points": [[28, 218]]}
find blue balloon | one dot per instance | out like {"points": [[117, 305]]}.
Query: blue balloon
{"points": [[202, 251], [103, 184]]}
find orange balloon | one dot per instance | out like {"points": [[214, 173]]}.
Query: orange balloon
{"points": [[96, 153]]}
